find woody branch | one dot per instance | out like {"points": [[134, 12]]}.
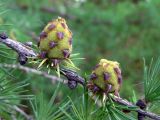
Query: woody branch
{"points": [[24, 51]]}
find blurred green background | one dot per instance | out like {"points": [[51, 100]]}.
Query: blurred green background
{"points": [[122, 30]]}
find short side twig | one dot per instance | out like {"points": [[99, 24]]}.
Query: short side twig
{"points": [[34, 71]]}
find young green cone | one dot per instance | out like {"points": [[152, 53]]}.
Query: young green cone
{"points": [[105, 78], [56, 41]]}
